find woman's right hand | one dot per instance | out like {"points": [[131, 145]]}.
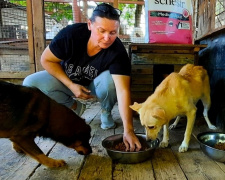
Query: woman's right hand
{"points": [[80, 91], [52, 64]]}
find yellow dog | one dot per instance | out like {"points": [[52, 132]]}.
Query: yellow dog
{"points": [[176, 96]]}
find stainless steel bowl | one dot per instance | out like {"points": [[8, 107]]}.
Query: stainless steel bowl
{"points": [[207, 142], [129, 157]]}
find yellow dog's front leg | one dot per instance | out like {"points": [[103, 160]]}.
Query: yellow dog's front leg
{"points": [[187, 135], [165, 141]]}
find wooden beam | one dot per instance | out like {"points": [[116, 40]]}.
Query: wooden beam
{"points": [[59, 1], [120, 2], [106, 1]]}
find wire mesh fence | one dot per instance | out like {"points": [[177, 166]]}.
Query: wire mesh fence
{"points": [[63, 13], [13, 36], [219, 14]]}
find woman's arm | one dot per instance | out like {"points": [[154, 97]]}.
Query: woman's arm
{"points": [[52, 64], [122, 84]]}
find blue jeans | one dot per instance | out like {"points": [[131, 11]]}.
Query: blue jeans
{"points": [[102, 87]]}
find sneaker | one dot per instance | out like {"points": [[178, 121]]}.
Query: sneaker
{"points": [[106, 128], [107, 120], [80, 108]]}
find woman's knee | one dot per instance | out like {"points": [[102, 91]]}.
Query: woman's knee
{"points": [[29, 81], [105, 89], [41, 80]]}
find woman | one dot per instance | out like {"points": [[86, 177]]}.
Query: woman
{"points": [[86, 60]]}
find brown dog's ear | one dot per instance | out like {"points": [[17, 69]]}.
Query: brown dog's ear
{"points": [[136, 106], [159, 113]]}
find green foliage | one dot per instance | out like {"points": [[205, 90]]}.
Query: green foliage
{"points": [[128, 13], [19, 2], [59, 11]]}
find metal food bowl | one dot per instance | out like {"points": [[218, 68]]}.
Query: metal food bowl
{"points": [[129, 157], [207, 142]]}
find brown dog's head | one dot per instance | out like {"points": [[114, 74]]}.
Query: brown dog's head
{"points": [[152, 118], [81, 144], [72, 132]]}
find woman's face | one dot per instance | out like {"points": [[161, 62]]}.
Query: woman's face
{"points": [[103, 31]]}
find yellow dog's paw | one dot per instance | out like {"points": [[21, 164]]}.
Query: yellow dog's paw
{"points": [[163, 144], [183, 147], [212, 127]]}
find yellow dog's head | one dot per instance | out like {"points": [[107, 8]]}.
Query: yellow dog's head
{"points": [[152, 118]]}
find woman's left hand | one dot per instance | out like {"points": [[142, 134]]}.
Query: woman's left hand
{"points": [[131, 141]]}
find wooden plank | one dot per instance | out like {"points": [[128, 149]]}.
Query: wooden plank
{"points": [[74, 163], [16, 75], [141, 87], [142, 170], [15, 166], [166, 165], [12, 63], [177, 67], [206, 19], [194, 163], [13, 51], [140, 97], [145, 58], [164, 51], [142, 69], [96, 163], [136, 47], [92, 109], [73, 159], [142, 79]]}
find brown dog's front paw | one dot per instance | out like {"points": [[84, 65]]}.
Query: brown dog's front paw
{"points": [[58, 163], [49, 162], [17, 148], [55, 163]]}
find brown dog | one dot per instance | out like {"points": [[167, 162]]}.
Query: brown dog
{"points": [[176, 96], [26, 113]]}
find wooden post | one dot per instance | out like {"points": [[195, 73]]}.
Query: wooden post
{"points": [[85, 10], [76, 12], [38, 31], [30, 36], [115, 3]]}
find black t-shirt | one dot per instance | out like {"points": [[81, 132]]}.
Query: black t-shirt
{"points": [[70, 45]]}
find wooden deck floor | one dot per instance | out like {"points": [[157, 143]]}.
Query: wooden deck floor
{"points": [[166, 163]]}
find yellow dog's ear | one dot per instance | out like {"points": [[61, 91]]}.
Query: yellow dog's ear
{"points": [[159, 113], [136, 106]]}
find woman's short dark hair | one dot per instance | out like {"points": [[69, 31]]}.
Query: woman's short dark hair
{"points": [[106, 11]]}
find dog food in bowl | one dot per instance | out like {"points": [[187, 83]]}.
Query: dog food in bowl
{"points": [[208, 141], [220, 146], [122, 147], [122, 156]]}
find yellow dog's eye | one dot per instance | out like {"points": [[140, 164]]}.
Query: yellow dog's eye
{"points": [[151, 127]]}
